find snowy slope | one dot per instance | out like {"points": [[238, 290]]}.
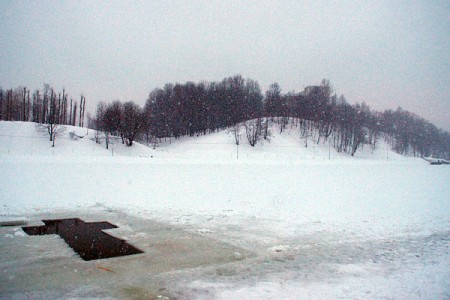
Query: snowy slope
{"points": [[31, 140], [366, 227], [284, 147], [27, 139]]}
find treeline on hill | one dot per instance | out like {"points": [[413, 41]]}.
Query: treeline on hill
{"points": [[237, 103]]}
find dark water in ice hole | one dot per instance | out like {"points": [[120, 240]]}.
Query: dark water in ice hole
{"points": [[87, 239]]}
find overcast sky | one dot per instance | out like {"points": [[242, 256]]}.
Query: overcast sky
{"points": [[386, 53]]}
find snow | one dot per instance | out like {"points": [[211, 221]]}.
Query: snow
{"points": [[318, 224]]}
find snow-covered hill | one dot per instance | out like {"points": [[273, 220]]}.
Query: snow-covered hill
{"points": [[30, 139], [284, 147]]}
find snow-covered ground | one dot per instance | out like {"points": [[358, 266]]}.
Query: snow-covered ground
{"points": [[316, 224]]}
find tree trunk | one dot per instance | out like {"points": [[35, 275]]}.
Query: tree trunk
{"points": [[24, 104], [1, 104]]}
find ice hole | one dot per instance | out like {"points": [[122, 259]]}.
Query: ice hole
{"points": [[87, 239]]}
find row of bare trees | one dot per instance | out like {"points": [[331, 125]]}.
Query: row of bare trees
{"points": [[410, 134], [45, 107], [322, 115], [19, 105]]}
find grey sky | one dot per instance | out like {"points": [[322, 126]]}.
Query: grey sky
{"points": [[386, 53]]}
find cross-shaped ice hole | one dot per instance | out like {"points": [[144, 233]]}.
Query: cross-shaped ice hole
{"points": [[87, 239]]}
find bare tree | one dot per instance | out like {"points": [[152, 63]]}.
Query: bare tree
{"points": [[131, 122], [253, 131], [100, 124], [113, 117], [1, 104], [74, 116], [70, 114], [52, 125], [24, 105], [9, 105], [64, 108], [84, 109], [265, 129], [80, 119], [28, 110], [236, 130]]}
